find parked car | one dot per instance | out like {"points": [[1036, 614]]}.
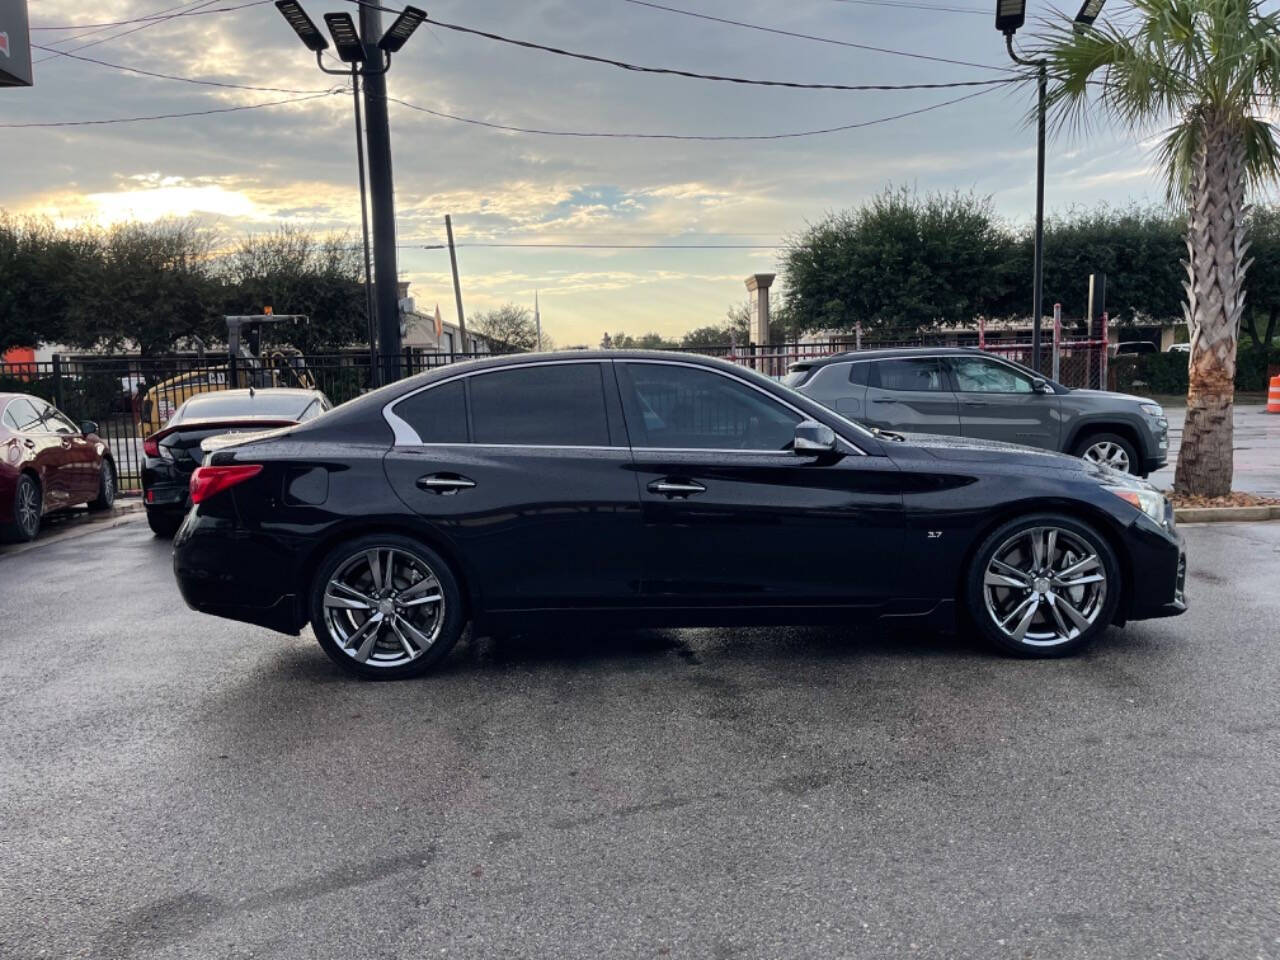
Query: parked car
{"points": [[639, 488], [963, 392], [173, 452], [1179, 348], [48, 463], [1132, 348]]}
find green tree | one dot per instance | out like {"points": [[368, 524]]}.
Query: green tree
{"points": [[509, 328], [901, 260], [43, 273], [1207, 72], [294, 271], [646, 341], [1264, 278]]}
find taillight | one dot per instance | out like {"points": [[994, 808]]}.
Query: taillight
{"points": [[151, 447], [208, 481]]}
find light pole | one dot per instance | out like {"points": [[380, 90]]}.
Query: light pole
{"points": [[381, 300], [1010, 15]]}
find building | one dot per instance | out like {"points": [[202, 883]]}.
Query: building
{"points": [[418, 329]]}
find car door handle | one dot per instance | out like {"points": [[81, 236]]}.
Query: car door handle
{"points": [[977, 403], [445, 483], [676, 488], [884, 400]]}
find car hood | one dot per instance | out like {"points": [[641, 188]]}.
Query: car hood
{"points": [[1106, 396], [975, 450]]}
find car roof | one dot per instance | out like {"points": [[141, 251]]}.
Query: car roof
{"points": [[885, 353]]}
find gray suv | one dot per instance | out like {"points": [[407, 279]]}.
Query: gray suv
{"points": [[969, 393]]}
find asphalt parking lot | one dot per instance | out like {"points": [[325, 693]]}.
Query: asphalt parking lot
{"points": [[178, 786], [1257, 446]]}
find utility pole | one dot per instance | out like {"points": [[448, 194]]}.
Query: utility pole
{"points": [[457, 288], [382, 196]]}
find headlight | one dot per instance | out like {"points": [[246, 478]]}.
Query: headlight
{"points": [[1150, 502], [1152, 409]]}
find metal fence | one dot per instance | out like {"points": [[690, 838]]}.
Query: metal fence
{"points": [[130, 397]]}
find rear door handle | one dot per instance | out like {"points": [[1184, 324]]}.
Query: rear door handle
{"points": [[445, 483], [977, 403], [884, 400], [676, 488]]}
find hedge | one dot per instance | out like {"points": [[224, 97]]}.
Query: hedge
{"points": [[1166, 373]]}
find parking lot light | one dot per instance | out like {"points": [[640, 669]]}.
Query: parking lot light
{"points": [[401, 29], [345, 37], [302, 25], [1010, 15], [1089, 11]]}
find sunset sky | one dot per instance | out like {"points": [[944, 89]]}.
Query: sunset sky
{"points": [[294, 163]]}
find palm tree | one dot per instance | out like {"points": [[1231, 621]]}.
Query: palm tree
{"points": [[1205, 73]]}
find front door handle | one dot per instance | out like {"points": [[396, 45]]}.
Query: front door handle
{"points": [[977, 403], [676, 488], [884, 400], [445, 483]]}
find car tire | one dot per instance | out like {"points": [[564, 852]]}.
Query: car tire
{"points": [[412, 633], [106, 488], [1049, 600], [163, 525], [26, 511], [1109, 448]]}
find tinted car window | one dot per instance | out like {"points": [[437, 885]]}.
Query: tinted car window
{"points": [[977, 375], [916, 374], [860, 373], [24, 416], [261, 404], [438, 415], [551, 404], [684, 407]]}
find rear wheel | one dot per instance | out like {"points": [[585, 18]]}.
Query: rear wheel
{"points": [[106, 487], [163, 525], [1109, 448], [386, 607], [26, 511], [1043, 586]]}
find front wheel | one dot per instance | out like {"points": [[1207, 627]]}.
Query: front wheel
{"points": [[386, 607], [106, 488], [1109, 448], [1043, 586]]}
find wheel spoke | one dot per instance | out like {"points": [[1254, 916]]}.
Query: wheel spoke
{"points": [[1078, 618], [351, 599], [1080, 566], [1016, 611], [369, 627], [389, 571], [1051, 546], [413, 591], [1011, 571], [1020, 630], [1057, 616], [371, 640], [409, 649], [418, 601], [416, 635], [375, 568], [1037, 549], [1059, 581], [994, 579]]}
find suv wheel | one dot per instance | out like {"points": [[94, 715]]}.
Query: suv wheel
{"points": [[386, 607], [1043, 586], [1109, 448]]}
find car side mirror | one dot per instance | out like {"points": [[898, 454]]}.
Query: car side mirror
{"points": [[1040, 386], [813, 439], [88, 426]]}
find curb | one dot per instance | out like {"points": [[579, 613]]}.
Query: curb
{"points": [[1225, 514]]}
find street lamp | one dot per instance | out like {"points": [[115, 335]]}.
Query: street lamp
{"points": [[1010, 15], [352, 49]]}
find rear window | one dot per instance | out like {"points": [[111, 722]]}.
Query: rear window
{"points": [[438, 415], [262, 404], [796, 375], [551, 404]]}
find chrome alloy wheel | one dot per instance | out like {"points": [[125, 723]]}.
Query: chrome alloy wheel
{"points": [[1112, 454], [1044, 586], [384, 607], [27, 507]]}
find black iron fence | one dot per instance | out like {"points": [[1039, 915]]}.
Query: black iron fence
{"points": [[130, 397]]}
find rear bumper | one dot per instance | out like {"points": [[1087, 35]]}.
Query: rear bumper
{"points": [[227, 573], [164, 485]]}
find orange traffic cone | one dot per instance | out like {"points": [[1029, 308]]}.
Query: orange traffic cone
{"points": [[1273, 396]]}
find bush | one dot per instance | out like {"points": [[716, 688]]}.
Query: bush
{"points": [[1166, 373]]}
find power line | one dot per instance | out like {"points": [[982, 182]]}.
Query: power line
{"points": [[809, 36], [154, 17], [908, 5], [89, 30], [169, 116], [146, 25], [681, 136], [170, 76], [690, 74]]}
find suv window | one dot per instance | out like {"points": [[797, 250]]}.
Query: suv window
{"points": [[915, 374], [438, 415], [979, 375], [555, 404], [684, 407]]}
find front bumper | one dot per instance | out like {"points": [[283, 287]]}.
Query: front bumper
{"points": [[1158, 571]]}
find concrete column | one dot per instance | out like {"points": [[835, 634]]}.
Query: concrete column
{"points": [[758, 286]]}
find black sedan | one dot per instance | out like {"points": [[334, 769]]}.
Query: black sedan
{"points": [[641, 488], [173, 452]]}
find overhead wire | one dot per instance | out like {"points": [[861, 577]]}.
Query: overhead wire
{"points": [[155, 17], [169, 116], [153, 22]]}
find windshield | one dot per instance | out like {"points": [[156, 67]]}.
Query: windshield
{"points": [[263, 403]]}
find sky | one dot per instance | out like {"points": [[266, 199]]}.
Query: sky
{"points": [[253, 170]]}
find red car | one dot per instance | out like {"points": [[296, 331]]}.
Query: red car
{"points": [[48, 463]]}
